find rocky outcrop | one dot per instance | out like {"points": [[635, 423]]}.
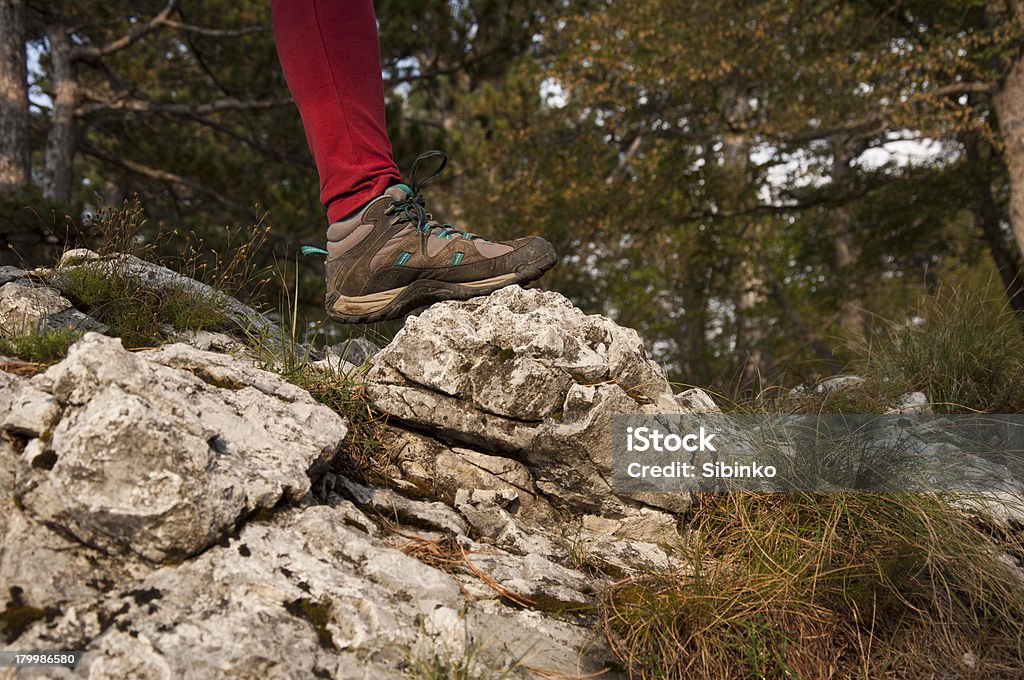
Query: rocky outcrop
{"points": [[522, 374], [159, 502], [182, 513]]}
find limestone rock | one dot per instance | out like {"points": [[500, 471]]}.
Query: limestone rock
{"points": [[534, 577], [838, 383], [24, 410], [317, 597], [696, 400], [9, 273], [401, 510], [354, 350], [162, 452], [49, 571], [525, 375], [212, 341], [912, 402], [26, 308]]}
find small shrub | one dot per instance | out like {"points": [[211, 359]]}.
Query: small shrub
{"points": [[141, 315], [44, 347], [822, 586]]}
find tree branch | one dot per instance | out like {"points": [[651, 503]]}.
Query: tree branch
{"points": [[867, 127], [83, 52], [157, 174], [214, 32], [200, 109], [961, 88], [627, 156]]}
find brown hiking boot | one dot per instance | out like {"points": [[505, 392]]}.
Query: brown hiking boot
{"points": [[390, 258]]}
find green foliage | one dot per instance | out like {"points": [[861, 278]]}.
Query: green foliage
{"points": [[839, 585], [141, 317], [961, 347], [45, 347], [366, 453]]}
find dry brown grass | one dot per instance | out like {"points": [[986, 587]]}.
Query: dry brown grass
{"points": [[836, 586]]}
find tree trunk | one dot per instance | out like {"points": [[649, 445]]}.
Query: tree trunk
{"points": [[1008, 103], [14, 127], [845, 253], [58, 171], [736, 111], [988, 220]]}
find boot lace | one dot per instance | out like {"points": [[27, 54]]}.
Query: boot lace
{"points": [[412, 209]]}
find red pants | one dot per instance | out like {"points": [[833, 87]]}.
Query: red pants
{"points": [[331, 61]]}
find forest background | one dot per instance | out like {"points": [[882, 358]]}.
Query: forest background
{"points": [[756, 186]]}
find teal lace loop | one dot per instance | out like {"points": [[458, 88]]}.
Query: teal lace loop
{"points": [[413, 209], [312, 250]]}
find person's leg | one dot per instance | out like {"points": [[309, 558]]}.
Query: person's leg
{"points": [[331, 60], [385, 256]]}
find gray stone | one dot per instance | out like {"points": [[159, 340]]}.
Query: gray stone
{"points": [[696, 400], [162, 452], [24, 410], [27, 308], [524, 374], [838, 383], [52, 571], [335, 365], [8, 274], [401, 510], [538, 641], [912, 402], [355, 351], [77, 256], [535, 577], [212, 341], [313, 595]]}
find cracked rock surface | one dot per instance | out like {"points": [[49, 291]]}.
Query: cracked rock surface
{"points": [[161, 453], [157, 503], [523, 374]]}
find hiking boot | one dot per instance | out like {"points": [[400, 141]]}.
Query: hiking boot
{"points": [[391, 258]]}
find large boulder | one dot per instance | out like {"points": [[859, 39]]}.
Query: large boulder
{"points": [[160, 453], [526, 375]]}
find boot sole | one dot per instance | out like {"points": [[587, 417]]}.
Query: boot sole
{"points": [[398, 302]]}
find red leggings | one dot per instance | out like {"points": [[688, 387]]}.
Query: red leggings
{"points": [[331, 61]]}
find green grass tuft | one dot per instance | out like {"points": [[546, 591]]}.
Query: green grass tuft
{"points": [[145, 316], [139, 316], [961, 347], [366, 455], [476, 662], [45, 347]]}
